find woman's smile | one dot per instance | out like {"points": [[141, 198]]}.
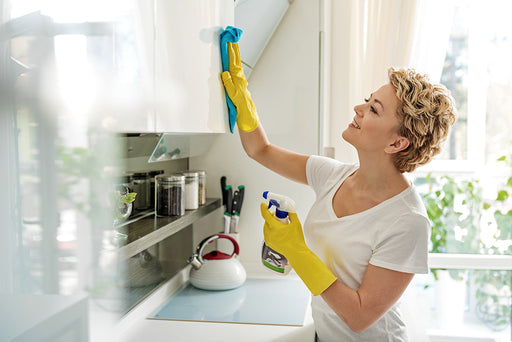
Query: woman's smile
{"points": [[354, 124]]}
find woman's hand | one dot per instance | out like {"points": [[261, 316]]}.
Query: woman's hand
{"points": [[288, 240], [235, 84]]}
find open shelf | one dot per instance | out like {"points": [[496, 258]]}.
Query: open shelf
{"points": [[148, 230]]}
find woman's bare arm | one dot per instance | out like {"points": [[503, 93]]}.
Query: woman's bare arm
{"points": [[379, 291], [284, 162]]}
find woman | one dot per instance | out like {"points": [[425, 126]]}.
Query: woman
{"points": [[367, 232]]}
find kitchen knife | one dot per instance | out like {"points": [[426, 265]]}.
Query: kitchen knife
{"points": [[241, 191], [235, 208], [229, 207], [223, 189], [233, 228]]}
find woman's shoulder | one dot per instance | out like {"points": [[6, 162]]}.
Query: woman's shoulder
{"points": [[413, 202], [320, 169], [331, 163]]}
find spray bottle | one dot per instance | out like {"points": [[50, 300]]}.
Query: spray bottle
{"points": [[271, 259]]}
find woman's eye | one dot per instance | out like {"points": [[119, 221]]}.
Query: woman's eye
{"points": [[372, 108]]}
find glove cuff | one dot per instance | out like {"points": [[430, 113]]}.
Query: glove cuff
{"points": [[248, 124], [312, 271], [247, 119]]}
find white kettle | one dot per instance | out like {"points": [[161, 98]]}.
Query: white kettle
{"points": [[216, 270]]}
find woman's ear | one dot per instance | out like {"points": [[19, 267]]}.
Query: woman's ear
{"points": [[400, 144]]}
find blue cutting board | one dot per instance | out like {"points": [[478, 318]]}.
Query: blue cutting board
{"points": [[258, 301]]}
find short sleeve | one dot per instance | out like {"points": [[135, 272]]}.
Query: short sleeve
{"points": [[404, 246], [321, 170]]}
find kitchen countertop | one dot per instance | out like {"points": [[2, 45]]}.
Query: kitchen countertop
{"points": [[135, 327], [43, 317]]}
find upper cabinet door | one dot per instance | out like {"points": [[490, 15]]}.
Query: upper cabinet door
{"points": [[125, 82], [189, 96]]}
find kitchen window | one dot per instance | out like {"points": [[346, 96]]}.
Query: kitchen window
{"points": [[466, 189]]}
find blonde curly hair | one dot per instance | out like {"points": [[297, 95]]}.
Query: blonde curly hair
{"points": [[426, 113]]}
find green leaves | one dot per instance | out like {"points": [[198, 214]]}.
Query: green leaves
{"points": [[504, 222], [128, 198], [454, 204], [502, 196], [121, 198]]}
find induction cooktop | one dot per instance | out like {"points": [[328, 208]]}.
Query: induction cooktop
{"points": [[258, 301]]}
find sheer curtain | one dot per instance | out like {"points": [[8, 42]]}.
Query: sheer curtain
{"points": [[368, 37], [385, 33], [398, 33]]}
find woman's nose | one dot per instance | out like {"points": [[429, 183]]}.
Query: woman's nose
{"points": [[359, 109]]}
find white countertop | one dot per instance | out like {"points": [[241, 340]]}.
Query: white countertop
{"points": [[43, 317], [176, 331], [134, 327]]}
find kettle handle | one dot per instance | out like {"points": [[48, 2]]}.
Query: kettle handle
{"points": [[210, 239]]}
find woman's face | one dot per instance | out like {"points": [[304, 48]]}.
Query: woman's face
{"points": [[375, 124]]}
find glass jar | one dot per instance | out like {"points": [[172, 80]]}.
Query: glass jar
{"points": [[152, 175], [169, 195], [202, 187], [191, 190], [141, 186]]}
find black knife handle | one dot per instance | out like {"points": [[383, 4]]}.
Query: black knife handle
{"points": [[229, 198], [236, 203], [223, 189], [241, 191]]}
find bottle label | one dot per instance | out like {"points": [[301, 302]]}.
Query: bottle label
{"points": [[273, 260]]}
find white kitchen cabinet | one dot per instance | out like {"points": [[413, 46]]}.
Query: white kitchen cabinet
{"points": [[161, 63], [189, 96], [133, 93], [105, 62]]}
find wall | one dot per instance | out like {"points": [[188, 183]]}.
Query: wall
{"points": [[284, 87], [341, 108]]}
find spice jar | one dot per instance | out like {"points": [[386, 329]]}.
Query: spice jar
{"points": [[201, 187], [141, 185], [169, 195], [191, 189], [152, 175]]}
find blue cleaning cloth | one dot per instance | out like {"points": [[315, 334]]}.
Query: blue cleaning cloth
{"points": [[230, 34]]}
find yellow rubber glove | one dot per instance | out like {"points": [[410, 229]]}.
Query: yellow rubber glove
{"points": [[288, 239], [236, 87]]}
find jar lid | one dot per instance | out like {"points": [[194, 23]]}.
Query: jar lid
{"points": [[201, 173], [190, 174], [153, 173], [175, 177], [140, 174]]}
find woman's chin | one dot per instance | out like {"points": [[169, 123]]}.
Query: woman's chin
{"points": [[346, 136]]}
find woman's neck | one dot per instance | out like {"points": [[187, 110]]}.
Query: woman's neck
{"points": [[379, 175]]}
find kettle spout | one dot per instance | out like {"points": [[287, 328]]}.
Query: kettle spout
{"points": [[195, 262]]}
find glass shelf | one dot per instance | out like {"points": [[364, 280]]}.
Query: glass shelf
{"points": [[173, 146]]}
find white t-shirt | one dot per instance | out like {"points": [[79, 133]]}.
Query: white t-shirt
{"points": [[393, 235]]}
